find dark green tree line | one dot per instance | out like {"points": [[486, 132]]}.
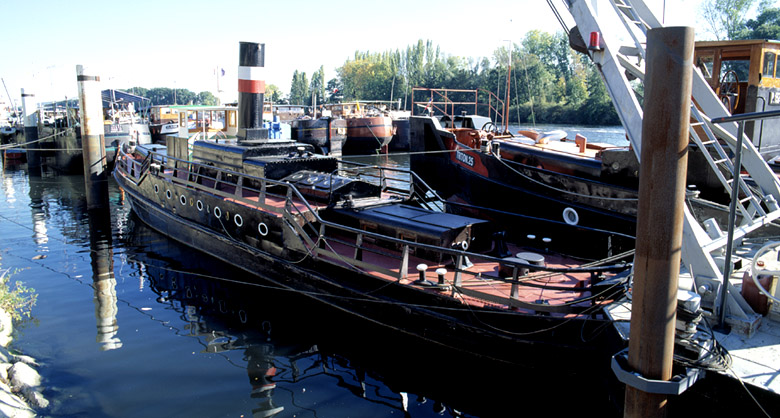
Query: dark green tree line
{"points": [[167, 96], [549, 82]]}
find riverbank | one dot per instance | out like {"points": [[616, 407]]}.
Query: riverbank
{"points": [[20, 383]]}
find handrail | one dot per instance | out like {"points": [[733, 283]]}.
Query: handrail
{"points": [[741, 119], [747, 116]]}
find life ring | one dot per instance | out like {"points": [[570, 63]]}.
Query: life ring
{"points": [[570, 216], [262, 228]]}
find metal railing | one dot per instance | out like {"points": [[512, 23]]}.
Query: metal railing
{"points": [[737, 167], [443, 101]]}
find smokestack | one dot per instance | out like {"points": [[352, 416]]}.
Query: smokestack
{"points": [[251, 91]]}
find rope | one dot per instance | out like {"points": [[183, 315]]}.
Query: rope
{"points": [[9, 146]]}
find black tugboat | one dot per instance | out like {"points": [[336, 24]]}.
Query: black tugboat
{"points": [[350, 236], [536, 187]]}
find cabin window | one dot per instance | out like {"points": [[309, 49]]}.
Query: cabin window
{"points": [[705, 64], [182, 119], [740, 67], [769, 64], [232, 119]]}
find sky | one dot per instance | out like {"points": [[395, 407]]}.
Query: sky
{"points": [[181, 44]]}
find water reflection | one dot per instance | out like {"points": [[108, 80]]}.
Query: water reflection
{"points": [[276, 354], [103, 280], [282, 338], [39, 209]]}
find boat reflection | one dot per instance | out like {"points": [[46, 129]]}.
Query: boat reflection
{"points": [[290, 344], [282, 337]]}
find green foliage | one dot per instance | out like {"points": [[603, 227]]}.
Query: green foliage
{"points": [[273, 93], [317, 85], [547, 78], [299, 89], [765, 26], [16, 299], [167, 96], [727, 18]]}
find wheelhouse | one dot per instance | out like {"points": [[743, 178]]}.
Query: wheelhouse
{"points": [[743, 73]]}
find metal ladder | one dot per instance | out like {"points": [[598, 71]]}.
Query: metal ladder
{"points": [[623, 26]]}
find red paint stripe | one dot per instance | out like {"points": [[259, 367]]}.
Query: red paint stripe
{"points": [[251, 86]]}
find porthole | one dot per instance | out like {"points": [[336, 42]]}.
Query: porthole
{"points": [[570, 216], [168, 194], [262, 228], [199, 205], [156, 189], [183, 200], [217, 212], [238, 220]]}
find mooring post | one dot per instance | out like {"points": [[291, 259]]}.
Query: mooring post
{"points": [[93, 142], [31, 133], [662, 180]]}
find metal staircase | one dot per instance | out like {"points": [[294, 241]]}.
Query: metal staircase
{"points": [[622, 26]]}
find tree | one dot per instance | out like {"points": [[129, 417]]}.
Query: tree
{"points": [[317, 85], [334, 90], [765, 26], [207, 98], [299, 89], [726, 18], [272, 93]]}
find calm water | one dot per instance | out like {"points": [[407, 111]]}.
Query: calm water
{"points": [[129, 323]]}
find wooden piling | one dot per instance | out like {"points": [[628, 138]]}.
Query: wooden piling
{"points": [[660, 214], [93, 142], [31, 133]]}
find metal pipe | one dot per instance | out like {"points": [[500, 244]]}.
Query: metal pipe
{"points": [[732, 215], [664, 158]]}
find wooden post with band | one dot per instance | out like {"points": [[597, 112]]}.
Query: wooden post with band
{"points": [[93, 142], [662, 181], [31, 133]]}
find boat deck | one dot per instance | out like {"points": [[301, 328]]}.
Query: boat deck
{"points": [[480, 283]]}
